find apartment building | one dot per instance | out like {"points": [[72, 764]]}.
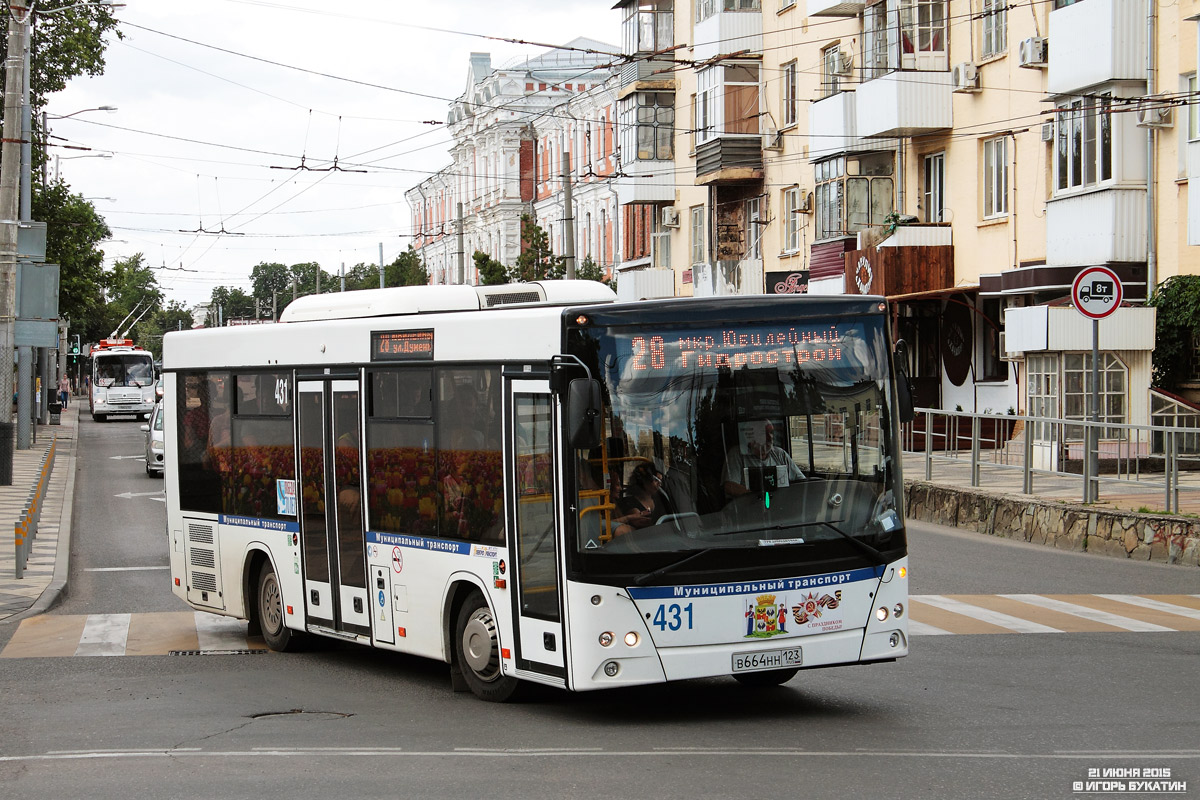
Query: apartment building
{"points": [[964, 158], [510, 127]]}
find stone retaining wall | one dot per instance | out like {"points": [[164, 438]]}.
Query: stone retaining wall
{"points": [[1068, 526]]}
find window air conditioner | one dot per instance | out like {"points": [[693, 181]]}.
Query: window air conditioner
{"points": [[1004, 354], [772, 139], [1154, 112], [670, 217], [966, 77], [1033, 52], [1047, 131]]}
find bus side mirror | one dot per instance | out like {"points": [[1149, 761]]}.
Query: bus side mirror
{"points": [[904, 392], [583, 413]]}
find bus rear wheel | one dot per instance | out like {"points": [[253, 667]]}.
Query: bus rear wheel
{"points": [[477, 651], [275, 632], [100, 417], [767, 678]]}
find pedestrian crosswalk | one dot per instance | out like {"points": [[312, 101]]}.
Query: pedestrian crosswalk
{"points": [[201, 633]]}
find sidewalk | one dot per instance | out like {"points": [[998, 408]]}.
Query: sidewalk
{"points": [[45, 574]]}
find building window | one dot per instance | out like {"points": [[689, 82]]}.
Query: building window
{"points": [[1084, 146], [831, 71], [784, 5], [727, 101], [707, 8], [992, 365], [791, 220], [1193, 107], [754, 227], [789, 94], [699, 236], [904, 34], [655, 126], [1077, 392], [994, 21], [1042, 378], [852, 194], [995, 177], [648, 26], [933, 196]]}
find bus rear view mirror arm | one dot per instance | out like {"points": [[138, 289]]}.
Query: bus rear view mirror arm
{"points": [[583, 413], [904, 394]]}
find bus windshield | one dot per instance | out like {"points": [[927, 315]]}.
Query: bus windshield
{"points": [[124, 370], [774, 440]]}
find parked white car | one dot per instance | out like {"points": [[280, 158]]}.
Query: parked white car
{"points": [[154, 442]]}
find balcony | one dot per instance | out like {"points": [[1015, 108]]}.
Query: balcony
{"points": [[729, 158], [1193, 193], [647, 75], [728, 32], [833, 128], [835, 8], [1096, 228], [905, 103], [1096, 42], [646, 182]]}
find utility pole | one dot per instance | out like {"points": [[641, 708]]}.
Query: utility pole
{"points": [[343, 276], [10, 172], [568, 217], [381, 265], [462, 253]]}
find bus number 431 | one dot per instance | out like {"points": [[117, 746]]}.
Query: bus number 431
{"points": [[673, 617]]}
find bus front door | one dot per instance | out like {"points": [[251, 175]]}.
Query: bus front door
{"points": [[533, 545], [331, 521]]}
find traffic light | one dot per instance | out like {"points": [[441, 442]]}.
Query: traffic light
{"points": [[75, 347]]}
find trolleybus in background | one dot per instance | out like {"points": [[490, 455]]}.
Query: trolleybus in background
{"points": [[535, 483], [122, 376]]}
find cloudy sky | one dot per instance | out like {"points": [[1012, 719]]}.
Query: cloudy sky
{"points": [[214, 121]]}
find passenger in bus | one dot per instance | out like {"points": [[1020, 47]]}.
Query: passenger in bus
{"points": [[642, 503], [753, 454]]}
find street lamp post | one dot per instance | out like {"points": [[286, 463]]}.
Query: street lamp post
{"points": [[11, 168]]}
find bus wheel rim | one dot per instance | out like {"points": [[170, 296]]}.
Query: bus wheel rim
{"points": [[272, 605], [480, 645]]}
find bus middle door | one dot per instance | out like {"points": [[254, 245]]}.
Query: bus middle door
{"points": [[533, 545], [331, 520]]}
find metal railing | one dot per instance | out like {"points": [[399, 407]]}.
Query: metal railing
{"points": [[25, 528], [1131, 459]]}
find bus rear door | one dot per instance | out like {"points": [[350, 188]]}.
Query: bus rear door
{"points": [[533, 543], [331, 524]]}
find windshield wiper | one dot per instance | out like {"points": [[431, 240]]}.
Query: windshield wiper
{"points": [[858, 544], [649, 576]]}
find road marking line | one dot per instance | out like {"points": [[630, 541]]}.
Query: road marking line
{"points": [[220, 633], [923, 629], [1087, 613], [1157, 605], [986, 615], [104, 635], [124, 569]]}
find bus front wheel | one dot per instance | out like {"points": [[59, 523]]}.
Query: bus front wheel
{"points": [[275, 632], [477, 651], [771, 677]]}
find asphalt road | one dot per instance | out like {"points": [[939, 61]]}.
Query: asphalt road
{"points": [[965, 716]]}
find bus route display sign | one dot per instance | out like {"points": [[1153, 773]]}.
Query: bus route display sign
{"points": [[1097, 292], [402, 345]]}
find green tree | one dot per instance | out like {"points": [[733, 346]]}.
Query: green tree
{"points": [[491, 271], [228, 303], [407, 270], [132, 292], [1178, 324], [174, 317], [362, 276], [589, 270], [271, 282], [74, 232], [537, 260]]}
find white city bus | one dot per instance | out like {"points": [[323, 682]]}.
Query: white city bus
{"points": [[122, 379], [535, 483]]}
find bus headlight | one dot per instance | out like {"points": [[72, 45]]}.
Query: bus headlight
{"points": [[606, 639], [632, 639], [881, 613]]}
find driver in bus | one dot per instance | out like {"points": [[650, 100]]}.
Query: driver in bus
{"points": [[754, 454]]}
